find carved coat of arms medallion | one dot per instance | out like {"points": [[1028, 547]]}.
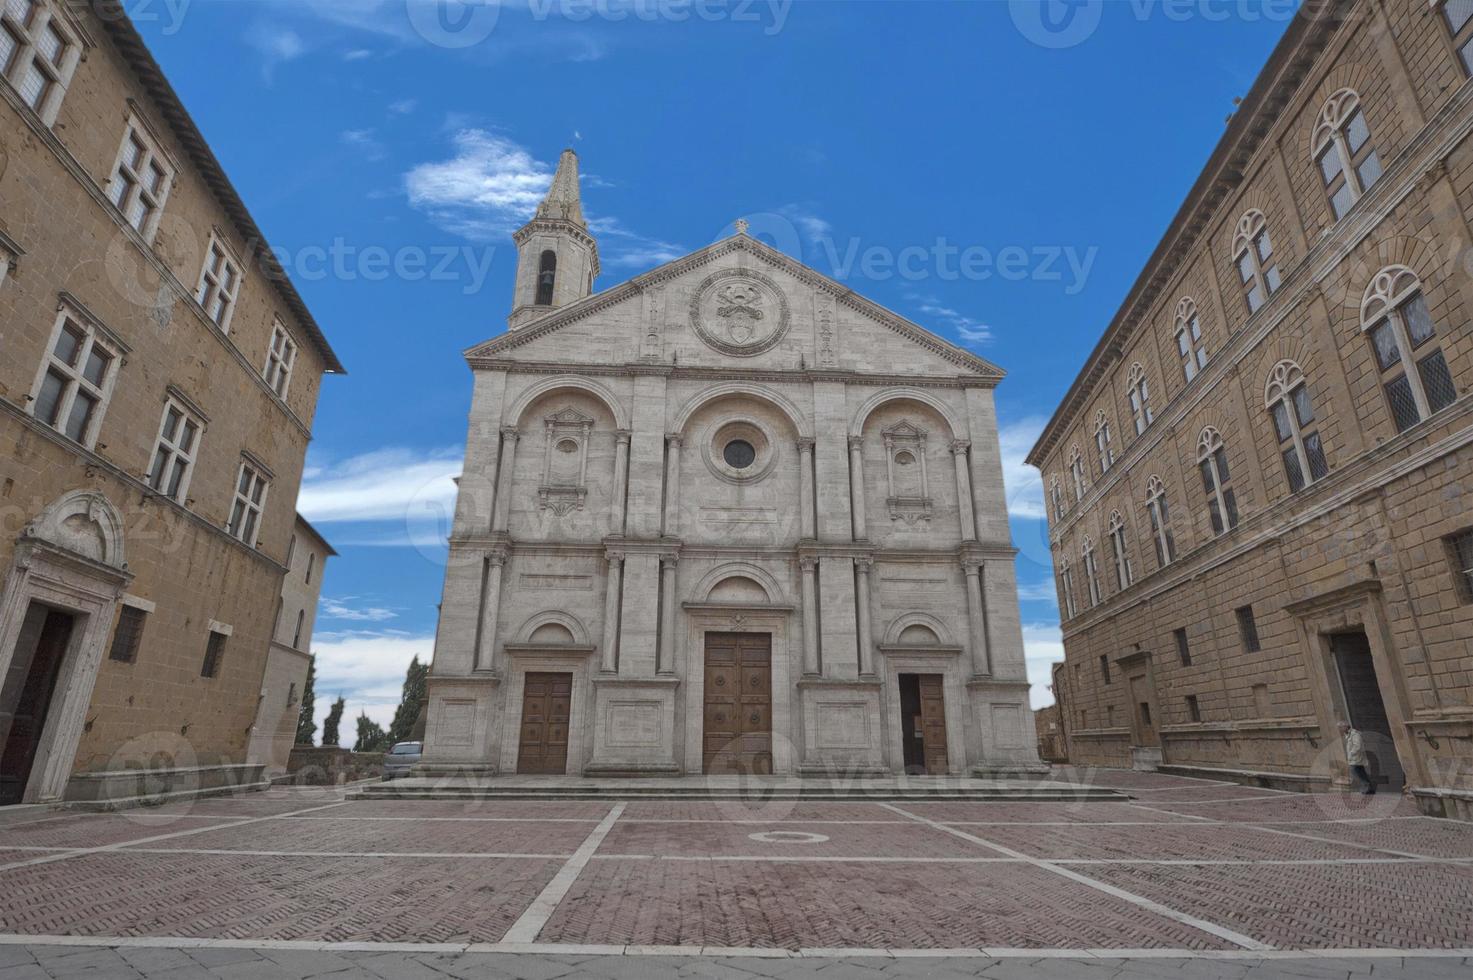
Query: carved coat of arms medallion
{"points": [[740, 312]]}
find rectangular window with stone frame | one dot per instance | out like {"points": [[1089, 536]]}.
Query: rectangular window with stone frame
{"points": [[128, 634], [1248, 629], [1460, 558], [214, 654], [141, 179], [75, 382], [1459, 18], [39, 52]]}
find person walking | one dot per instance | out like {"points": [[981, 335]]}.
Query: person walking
{"points": [[1355, 755]]}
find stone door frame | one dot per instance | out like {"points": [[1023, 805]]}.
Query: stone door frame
{"points": [[721, 617], [87, 589], [943, 660], [1358, 606], [529, 659]]}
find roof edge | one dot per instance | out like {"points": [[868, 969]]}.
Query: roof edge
{"points": [[131, 45]]}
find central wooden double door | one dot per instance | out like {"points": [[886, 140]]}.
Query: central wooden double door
{"points": [[738, 711], [547, 700]]}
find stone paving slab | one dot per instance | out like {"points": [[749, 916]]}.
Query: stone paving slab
{"points": [[1170, 842], [1036, 813], [1308, 906], [393, 836], [836, 905], [787, 841], [119, 893]]}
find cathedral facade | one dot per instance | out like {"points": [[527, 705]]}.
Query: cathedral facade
{"points": [[727, 516]]}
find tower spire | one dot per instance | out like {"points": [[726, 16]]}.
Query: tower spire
{"points": [[557, 258], [563, 199]]}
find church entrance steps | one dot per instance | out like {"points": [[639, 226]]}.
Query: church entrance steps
{"points": [[734, 788]]}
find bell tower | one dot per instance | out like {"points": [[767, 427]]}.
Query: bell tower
{"points": [[557, 259]]}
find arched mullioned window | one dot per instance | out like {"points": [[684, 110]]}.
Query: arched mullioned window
{"points": [[1343, 150], [1076, 473], [1286, 395], [1139, 393], [1066, 586], [1160, 516], [1102, 442], [1119, 552], [1217, 480], [546, 276], [1056, 494], [1091, 572], [1414, 374], [1189, 338], [1253, 253]]}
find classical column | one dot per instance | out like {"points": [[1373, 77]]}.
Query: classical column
{"points": [[866, 652], [809, 567], [805, 487], [672, 485], [502, 515], [856, 485], [620, 493], [977, 620], [490, 610], [608, 660], [964, 489], [665, 658]]}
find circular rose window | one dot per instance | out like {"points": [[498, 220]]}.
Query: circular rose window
{"points": [[739, 454]]}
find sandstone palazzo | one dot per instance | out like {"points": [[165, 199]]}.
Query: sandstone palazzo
{"points": [[724, 517]]}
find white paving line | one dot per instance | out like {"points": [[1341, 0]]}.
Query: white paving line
{"points": [[527, 819], [1237, 938], [1173, 813], [185, 851], [731, 952], [526, 928], [1344, 843], [106, 848]]}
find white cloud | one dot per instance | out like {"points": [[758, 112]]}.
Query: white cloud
{"points": [[488, 188], [357, 54], [384, 485], [276, 45], [622, 248], [403, 107], [367, 668], [1023, 482], [1043, 646], [1041, 591], [339, 609]]}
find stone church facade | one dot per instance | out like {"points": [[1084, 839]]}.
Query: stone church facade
{"points": [[727, 516]]}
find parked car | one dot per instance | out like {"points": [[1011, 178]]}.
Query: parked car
{"points": [[401, 758]]}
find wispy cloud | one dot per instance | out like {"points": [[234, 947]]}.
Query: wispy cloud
{"points": [[276, 45], [622, 248], [384, 485], [1040, 591], [403, 107], [489, 187], [1023, 483], [331, 608], [364, 141], [357, 54], [967, 329]]}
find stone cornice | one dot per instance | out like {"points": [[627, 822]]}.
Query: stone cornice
{"points": [[843, 295], [1249, 129], [761, 375]]}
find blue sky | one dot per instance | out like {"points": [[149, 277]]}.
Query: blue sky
{"points": [[997, 181]]}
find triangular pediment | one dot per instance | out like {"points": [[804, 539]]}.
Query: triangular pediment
{"points": [[746, 303]]}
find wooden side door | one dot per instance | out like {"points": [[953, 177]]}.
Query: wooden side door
{"points": [[737, 727], [933, 724], [546, 702]]}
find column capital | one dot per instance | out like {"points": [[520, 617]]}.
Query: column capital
{"points": [[669, 561], [863, 563], [672, 439], [972, 566], [856, 443], [622, 436], [808, 562], [805, 444], [959, 446], [510, 432], [612, 555]]}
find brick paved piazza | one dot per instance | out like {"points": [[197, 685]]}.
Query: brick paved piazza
{"points": [[1229, 879]]}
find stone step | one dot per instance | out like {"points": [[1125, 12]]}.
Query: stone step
{"points": [[867, 790]]}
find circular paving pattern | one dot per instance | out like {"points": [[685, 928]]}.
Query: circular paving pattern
{"points": [[787, 837]]}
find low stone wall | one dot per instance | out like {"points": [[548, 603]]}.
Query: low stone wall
{"points": [[330, 765], [120, 788]]}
